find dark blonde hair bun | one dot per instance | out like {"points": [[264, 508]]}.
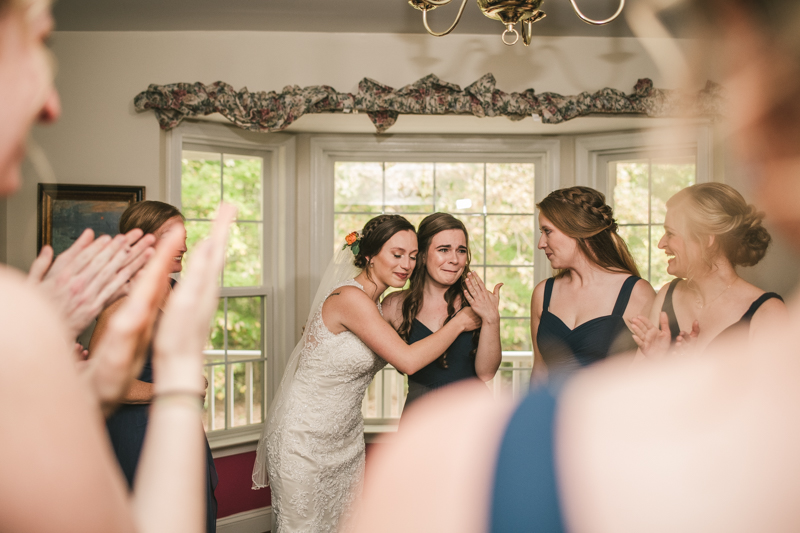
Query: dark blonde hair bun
{"points": [[718, 209]]}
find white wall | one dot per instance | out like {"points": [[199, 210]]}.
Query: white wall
{"points": [[100, 139]]}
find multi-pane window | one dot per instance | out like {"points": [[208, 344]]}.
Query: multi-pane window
{"points": [[495, 200], [235, 355], [642, 184]]}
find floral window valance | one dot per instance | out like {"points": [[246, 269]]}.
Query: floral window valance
{"points": [[271, 111]]}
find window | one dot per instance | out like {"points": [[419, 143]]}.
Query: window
{"points": [[213, 163], [235, 354], [641, 184], [638, 173], [493, 194]]}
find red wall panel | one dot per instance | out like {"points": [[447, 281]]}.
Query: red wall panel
{"points": [[234, 494]]}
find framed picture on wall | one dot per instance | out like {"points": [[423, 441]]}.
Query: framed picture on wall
{"points": [[66, 210]]}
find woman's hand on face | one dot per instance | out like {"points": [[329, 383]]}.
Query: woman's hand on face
{"points": [[468, 319], [652, 341], [485, 304]]}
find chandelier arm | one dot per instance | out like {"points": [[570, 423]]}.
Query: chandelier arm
{"points": [[597, 22], [448, 30], [438, 2]]}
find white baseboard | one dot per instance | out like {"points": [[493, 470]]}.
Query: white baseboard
{"points": [[255, 521]]}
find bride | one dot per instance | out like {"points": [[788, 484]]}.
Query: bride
{"points": [[312, 450]]}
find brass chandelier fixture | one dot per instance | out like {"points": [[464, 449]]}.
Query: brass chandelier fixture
{"points": [[509, 12]]}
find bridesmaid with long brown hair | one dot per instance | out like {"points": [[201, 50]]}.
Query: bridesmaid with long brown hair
{"points": [[582, 315], [440, 285]]}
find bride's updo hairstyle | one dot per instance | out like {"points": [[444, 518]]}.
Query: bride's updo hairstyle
{"points": [[718, 210], [582, 213], [375, 234]]}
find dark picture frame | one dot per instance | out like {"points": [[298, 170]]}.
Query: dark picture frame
{"points": [[65, 211]]}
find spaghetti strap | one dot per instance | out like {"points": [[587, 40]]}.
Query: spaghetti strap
{"points": [[624, 295], [548, 291], [755, 305], [668, 308]]}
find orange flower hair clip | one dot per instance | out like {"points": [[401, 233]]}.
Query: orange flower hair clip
{"points": [[353, 240]]}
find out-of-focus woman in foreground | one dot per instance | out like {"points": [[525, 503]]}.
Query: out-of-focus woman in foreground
{"points": [[57, 470], [681, 444]]}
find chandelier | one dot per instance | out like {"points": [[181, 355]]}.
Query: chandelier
{"points": [[509, 12]]}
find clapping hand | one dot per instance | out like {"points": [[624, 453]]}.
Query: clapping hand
{"points": [[485, 304], [652, 341], [120, 351], [90, 274], [686, 342]]}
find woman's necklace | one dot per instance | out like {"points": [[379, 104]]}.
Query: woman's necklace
{"points": [[699, 302]]}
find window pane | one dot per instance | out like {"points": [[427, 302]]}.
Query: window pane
{"points": [[474, 225], [241, 182], [515, 334], [196, 231], [638, 241], [459, 187], [513, 377], [200, 184], [242, 393], [509, 240], [259, 412], [369, 405], [509, 187], [415, 219], [669, 178], [358, 187], [216, 341], [243, 262], [244, 327], [515, 295], [409, 187], [344, 224], [632, 191], [215, 397]]}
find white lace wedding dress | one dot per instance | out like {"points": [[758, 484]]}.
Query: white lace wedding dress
{"points": [[315, 449]]}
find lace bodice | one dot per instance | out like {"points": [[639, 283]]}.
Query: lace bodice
{"points": [[315, 446]]}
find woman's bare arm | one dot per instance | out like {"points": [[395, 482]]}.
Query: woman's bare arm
{"points": [[55, 450], [169, 484], [349, 308]]}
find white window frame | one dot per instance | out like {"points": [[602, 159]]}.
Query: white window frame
{"points": [[278, 280], [325, 150], [592, 153]]}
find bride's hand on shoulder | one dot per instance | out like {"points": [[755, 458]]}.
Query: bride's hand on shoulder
{"points": [[485, 304], [468, 319]]}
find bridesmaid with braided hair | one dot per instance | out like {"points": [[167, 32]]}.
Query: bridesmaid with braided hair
{"points": [[582, 314], [709, 230]]}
